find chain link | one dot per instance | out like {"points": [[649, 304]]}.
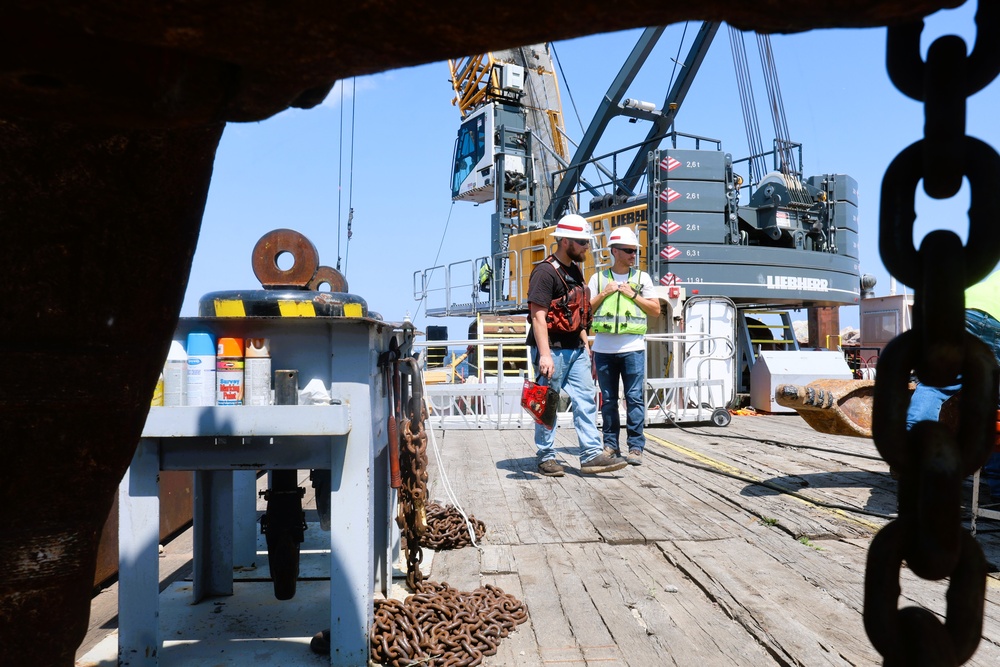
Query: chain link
{"points": [[437, 625], [931, 459]]}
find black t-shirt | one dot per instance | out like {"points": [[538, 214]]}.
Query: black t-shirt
{"points": [[544, 285]]}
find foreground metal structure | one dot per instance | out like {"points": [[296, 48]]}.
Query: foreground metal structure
{"points": [[109, 122]]}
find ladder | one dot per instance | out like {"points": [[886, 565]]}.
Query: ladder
{"points": [[514, 361], [762, 329]]}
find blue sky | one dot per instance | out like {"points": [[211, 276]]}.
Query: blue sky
{"points": [[295, 170]]}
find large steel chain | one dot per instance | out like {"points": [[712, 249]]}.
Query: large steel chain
{"points": [[413, 495], [447, 528], [932, 460], [437, 625]]}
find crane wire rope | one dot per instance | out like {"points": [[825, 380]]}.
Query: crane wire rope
{"points": [[775, 103], [677, 58], [443, 475], [788, 166], [423, 296], [569, 91], [751, 122], [340, 171], [540, 105], [350, 187]]}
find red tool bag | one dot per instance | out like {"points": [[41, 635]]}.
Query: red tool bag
{"points": [[541, 402]]}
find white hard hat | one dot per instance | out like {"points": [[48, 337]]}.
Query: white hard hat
{"points": [[573, 226], [623, 236]]}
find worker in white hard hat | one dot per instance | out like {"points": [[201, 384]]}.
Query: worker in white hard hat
{"points": [[622, 299], [559, 317]]}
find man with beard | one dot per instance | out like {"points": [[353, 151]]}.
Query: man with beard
{"points": [[559, 317]]}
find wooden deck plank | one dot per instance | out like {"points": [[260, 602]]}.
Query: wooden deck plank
{"points": [[473, 475], [553, 632], [547, 512], [710, 469], [793, 619], [459, 568], [678, 613], [573, 572], [519, 647]]}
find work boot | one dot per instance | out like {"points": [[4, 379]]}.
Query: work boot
{"points": [[611, 451], [634, 457], [550, 468], [602, 463]]}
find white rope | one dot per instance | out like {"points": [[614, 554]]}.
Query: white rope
{"points": [[444, 475]]}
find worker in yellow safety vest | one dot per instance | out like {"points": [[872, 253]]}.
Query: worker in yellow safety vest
{"points": [[982, 320], [622, 299]]}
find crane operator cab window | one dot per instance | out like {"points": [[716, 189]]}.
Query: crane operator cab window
{"points": [[470, 148]]}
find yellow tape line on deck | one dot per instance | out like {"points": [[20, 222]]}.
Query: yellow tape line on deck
{"points": [[725, 467]]}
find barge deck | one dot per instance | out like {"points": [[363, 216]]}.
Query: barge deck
{"points": [[743, 545]]}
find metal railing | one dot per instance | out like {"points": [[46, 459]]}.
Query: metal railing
{"points": [[690, 390]]}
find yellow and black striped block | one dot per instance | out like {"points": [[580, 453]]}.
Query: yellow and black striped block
{"points": [[282, 303]]}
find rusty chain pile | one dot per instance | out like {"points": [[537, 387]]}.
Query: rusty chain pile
{"points": [[446, 528], [930, 459], [437, 625]]}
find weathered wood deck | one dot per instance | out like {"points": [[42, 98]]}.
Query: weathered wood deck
{"points": [[743, 545]]}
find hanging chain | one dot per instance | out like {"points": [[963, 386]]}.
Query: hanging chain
{"points": [[413, 496], [931, 459], [437, 625]]}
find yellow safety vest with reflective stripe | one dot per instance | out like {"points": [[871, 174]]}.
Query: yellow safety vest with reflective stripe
{"points": [[619, 314], [985, 296]]}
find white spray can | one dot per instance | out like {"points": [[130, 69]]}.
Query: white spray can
{"points": [[257, 371], [200, 369], [175, 372]]}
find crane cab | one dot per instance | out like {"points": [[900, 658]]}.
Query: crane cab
{"points": [[472, 175]]}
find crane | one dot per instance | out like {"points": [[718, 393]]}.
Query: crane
{"points": [[775, 241]]}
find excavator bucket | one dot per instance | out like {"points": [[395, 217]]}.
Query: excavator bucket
{"points": [[838, 407]]}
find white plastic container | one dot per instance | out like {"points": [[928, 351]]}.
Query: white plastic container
{"points": [[257, 372], [175, 375], [200, 369]]}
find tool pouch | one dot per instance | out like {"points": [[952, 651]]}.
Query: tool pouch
{"points": [[541, 402]]}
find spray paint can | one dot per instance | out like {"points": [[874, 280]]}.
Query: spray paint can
{"points": [[157, 393], [229, 372], [257, 372], [175, 375], [200, 369]]}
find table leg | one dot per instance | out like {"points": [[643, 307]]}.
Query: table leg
{"points": [[352, 548], [213, 533], [138, 558]]}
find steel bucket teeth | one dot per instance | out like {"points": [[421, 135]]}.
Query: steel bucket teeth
{"points": [[838, 407]]}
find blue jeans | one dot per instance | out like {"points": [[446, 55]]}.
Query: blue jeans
{"points": [[630, 367], [925, 404], [572, 376]]}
